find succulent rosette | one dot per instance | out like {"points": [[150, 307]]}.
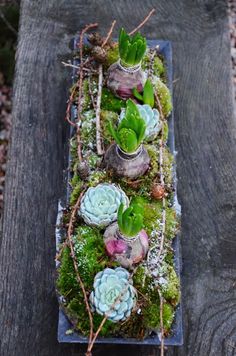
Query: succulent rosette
{"points": [[100, 204], [152, 120], [114, 294]]}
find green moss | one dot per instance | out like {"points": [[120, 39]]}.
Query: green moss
{"points": [[165, 131], [158, 66], [165, 97], [87, 102], [144, 284], [66, 282], [171, 289], [78, 184], [97, 177], [152, 316], [90, 252], [110, 102], [112, 55], [93, 160]]}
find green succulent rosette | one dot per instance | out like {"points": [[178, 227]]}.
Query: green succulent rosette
{"points": [[99, 205], [114, 294]]}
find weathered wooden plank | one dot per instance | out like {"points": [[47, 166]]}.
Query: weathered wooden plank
{"points": [[205, 129]]}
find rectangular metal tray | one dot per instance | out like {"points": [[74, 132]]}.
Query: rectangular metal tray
{"points": [[176, 337]]}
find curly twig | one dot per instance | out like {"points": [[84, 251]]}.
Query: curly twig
{"points": [[143, 22]]}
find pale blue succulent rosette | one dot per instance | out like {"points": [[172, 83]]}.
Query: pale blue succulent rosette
{"points": [[151, 118], [114, 294], [100, 204]]}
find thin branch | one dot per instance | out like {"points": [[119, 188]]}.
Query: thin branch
{"points": [[159, 106], [89, 70], [90, 92], [99, 143], [78, 278], [109, 34], [161, 324], [143, 22], [69, 104]]}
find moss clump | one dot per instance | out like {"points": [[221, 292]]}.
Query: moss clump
{"points": [[171, 289], [165, 131], [77, 185], [153, 217], [168, 160], [87, 102], [112, 55], [152, 316], [158, 67], [165, 97], [91, 258], [97, 177], [110, 102], [90, 253], [66, 282], [144, 283]]}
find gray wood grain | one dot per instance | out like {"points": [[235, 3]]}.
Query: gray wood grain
{"points": [[205, 140]]}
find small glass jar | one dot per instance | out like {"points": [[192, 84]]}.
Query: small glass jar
{"points": [[123, 164], [121, 79], [127, 251]]}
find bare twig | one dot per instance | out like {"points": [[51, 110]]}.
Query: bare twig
{"points": [[100, 150], [143, 22], [78, 278], [109, 34], [159, 106], [69, 104], [161, 324], [91, 93]]}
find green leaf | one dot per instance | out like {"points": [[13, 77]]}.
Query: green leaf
{"points": [[130, 58], [113, 133], [133, 121], [137, 95], [120, 216], [137, 37], [128, 140], [137, 224], [127, 221], [123, 49], [148, 93], [141, 49], [123, 44]]}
